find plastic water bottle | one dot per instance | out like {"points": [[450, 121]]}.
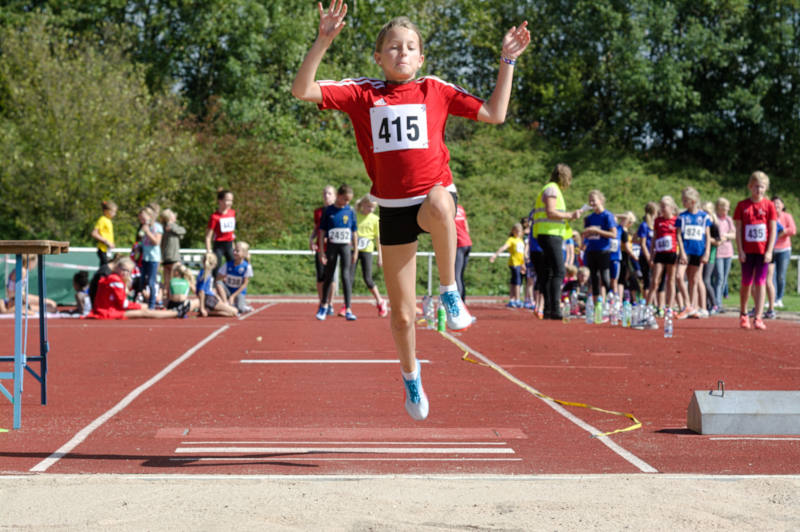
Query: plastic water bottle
{"points": [[573, 302], [428, 312], [626, 313], [441, 319], [613, 311], [668, 324], [589, 310], [598, 310], [565, 309]]}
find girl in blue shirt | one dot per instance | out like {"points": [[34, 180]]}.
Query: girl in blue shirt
{"points": [[599, 228], [694, 243]]}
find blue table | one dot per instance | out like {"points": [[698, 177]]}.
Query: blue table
{"points": [[20, 359]]}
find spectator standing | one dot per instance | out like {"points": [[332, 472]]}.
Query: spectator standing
{"points": [[170, 247], [783, 249], [756, 224], [694, 245], [220, 233], [600, 227], [463, 248], [516, 263], [368, 241], [103, 232], [664, 253], [712, 305], [328, 197], [550, 224], [725, 251], [643, 243], [153, 232]]}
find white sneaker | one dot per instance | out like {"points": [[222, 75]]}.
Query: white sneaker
{"points": [[779, 304], [416, 400], [458, 317], [702, 313]]}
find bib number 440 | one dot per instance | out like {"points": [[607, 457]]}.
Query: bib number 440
{"points": [[399, 127]]}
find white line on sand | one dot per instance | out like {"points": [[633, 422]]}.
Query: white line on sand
{"points": [[605, 440], [84, 433]]}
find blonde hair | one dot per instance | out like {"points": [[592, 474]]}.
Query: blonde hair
{"points": [[598, 194], [758, 177], [626, 217], [363, 200], [571, 269], [108, 205], [166, 216], [209, 263], [561, 174], [650, 211], [708, 207], [155, 208], [723, 202], [690, 193], [244, 249], [397, 22], [516, 228], [124, 262], [180, 270], [669, 201]]}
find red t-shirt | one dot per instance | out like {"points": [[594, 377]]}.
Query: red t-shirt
{"points": [[462, 235], [665, 238], [754, 221], [399, 131], [223, 225], [111, 300]]}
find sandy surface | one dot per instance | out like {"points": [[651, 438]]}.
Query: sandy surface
{"points": [[607, 502]]}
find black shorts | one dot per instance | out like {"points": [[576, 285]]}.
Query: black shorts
{"points": [[398, 225], [694, 260], [665, 257], [174, 305]]}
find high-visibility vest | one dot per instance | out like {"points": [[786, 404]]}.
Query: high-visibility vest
{"points": [[542, 225]]}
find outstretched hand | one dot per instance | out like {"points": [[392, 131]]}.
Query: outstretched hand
{"points": [[331, 21], [516, 40]]}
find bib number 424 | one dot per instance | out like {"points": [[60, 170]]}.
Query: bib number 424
{"points": [[399, 127]]}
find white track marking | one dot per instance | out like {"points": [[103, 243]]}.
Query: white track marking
{"points": [[353, 459], [245, 316], [84, 433], [345, 450], [605, 440], [341, 443], [324, 361], [758, 438]]}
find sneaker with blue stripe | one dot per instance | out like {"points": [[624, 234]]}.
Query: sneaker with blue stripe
{"points": [[458, 317], [322, 313], [349, 316], [416, 400]]}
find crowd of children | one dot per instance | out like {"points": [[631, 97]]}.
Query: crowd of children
{"points": [[676, 259]]}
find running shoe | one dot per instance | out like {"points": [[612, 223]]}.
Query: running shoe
{"points": [[769, 314], [322, 313], [458, 317], [744, 321], [752, 313], [342, 312], [511, 304], [779, 303], [349, 316], [329, 310], [416, 400], [685, 313], [529, 306], [383, 310], [701, 314], [759, 324], [184, 309]]}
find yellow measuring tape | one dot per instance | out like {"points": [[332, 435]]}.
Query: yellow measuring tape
{"points": [[636, 423]]}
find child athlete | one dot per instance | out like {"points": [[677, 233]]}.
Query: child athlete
{"points": [[399, 125], [600, 228], [233, 278], [755, 219], [664, 253], [338, 236], [516, 263], [694, 242], [368, 241]]}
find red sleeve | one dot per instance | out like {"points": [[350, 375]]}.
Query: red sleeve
{"points": [[460, 102], [342, 95], [737, 214], [773, 213], [213, 220]]}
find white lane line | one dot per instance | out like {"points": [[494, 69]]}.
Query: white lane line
{"points": [[245, 316], [354, 459], [605, 440], [324, 361], [340, 443], [343, 450], [84, 433]]}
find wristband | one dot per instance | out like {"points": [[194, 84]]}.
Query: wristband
{"points": [[508, 61]]}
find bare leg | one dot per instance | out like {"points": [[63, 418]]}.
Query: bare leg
{"points": [[400, 274], [150, 313], [437, 217]]}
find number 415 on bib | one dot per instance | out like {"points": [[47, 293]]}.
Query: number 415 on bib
{"points": [[399, 127]]}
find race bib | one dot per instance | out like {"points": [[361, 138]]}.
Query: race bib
{"points": [[340, 235], [520, 247], [233, 281], [399, 127], [614, 245], [637, 250], [227, 225], [363, 242], [664, 243], [693, 232], [755, 233]]}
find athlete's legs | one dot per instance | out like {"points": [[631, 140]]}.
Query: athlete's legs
{"points": [[150, 313], [346, 254], [658, 270], [680, 276], [400, 273], [670, 285], [437, 216]]}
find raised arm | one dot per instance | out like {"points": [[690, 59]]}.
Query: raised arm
{"points": [[331, 22], [515, 41]]}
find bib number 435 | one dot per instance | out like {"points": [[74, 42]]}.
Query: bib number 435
{"points": [[399, 127]]}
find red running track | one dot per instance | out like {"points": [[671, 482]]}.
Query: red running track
{"points": [[281, 393]]}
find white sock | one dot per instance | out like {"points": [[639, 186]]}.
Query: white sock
{"points": [[413, 375], [450, 288]]}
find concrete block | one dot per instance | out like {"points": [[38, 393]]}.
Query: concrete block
{"points": [[744, 412]]}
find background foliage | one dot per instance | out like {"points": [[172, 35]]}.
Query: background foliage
{"points": [[167, 100]]}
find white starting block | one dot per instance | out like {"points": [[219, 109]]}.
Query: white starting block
{"points": [[744, 412]]}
